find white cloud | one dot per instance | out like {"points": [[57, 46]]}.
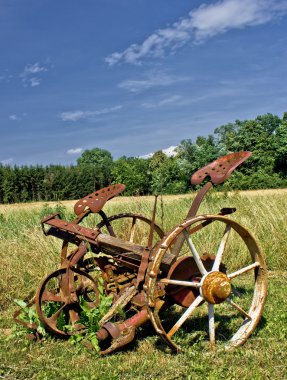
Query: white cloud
{"points": [[7, 161], [220, 17], [78, 115], [34, 81], [169, 152], [75, 151], [166, 101], [6, 78], [34, 68], [202, 23], [72, 116], [151, 79], [14, 117], [31, 75]]}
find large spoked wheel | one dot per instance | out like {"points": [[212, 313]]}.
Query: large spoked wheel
{"points": [[219, 276], [59, 296], [131, 227]]}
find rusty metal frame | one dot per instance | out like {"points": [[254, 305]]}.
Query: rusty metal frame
{"points": [[145, 278]]}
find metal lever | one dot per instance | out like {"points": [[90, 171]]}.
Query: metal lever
{"points": [[46, 219]]}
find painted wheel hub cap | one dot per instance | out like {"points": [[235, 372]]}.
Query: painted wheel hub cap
{"points": [[215, 287]]}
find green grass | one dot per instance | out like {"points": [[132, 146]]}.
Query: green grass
{"points": [[27, 256], [262, 357]]}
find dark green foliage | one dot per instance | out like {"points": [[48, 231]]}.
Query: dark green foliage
{"points": [[280, 140], [99, 162], [167, 175], [134, 173], [193, 156], [265, 137]]}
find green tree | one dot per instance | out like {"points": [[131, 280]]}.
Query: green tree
{"points": [[264, 137], [168, 178], [193, 156], [134, 173], [281, 148], [157, 160], [101, 160], [257, 136]]}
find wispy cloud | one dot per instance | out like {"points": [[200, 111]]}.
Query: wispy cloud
{"points": [[17, 117], [163, 102], [153, 78], [73, 151], [14, 117], [34, 81], [31, 75], [34, 68], [6, 78], [202, 23], [79, 115]]}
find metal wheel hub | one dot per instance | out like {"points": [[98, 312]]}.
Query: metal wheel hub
{"points": [[215, 287]]}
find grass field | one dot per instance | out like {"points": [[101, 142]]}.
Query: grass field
{"points": [[26, 256]]}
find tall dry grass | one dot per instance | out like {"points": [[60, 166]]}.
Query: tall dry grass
{"points": [[26, 255]]}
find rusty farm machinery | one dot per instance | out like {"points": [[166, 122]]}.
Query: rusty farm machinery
{"points": [[207, 268]]}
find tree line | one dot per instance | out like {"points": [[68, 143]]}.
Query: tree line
{"points": [[265, 136]]}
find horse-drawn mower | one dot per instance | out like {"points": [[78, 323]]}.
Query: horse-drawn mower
{"points": [[207, 272]]}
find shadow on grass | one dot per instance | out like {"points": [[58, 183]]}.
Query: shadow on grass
{"points": [[195, 330]]}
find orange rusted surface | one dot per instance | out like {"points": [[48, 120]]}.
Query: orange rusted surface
{"points": [[220, 169], [216, 287], [95, 201]]}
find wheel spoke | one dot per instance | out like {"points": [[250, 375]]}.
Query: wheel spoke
{"points": [[232, 303], [195, 254], [185, 315], [202, 274], [83, 285], [75, 318], [53, 319], [90, 295], [60, 288], [243, 270], [49, 296], [211, 327], [181, 283], [221, 248]]}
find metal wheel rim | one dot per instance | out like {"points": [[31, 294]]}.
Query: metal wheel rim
{"points": [[260, 285], [39, 302], [142, 218]]}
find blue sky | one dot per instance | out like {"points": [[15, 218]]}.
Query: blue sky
{"points": [[133, 76]]}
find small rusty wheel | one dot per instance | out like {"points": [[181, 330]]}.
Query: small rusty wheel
{"points": [[58, 299], [219, 266], [131, 227]]}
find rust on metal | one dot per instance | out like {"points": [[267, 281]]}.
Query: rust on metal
{"points": [[216, 287], [221, 169], [95, 201], [213, 287], [144, 279]]}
